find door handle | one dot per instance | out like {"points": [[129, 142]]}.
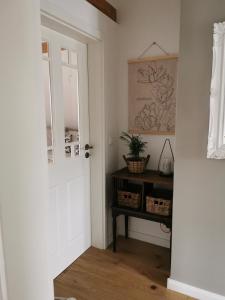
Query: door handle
{"points": [[88, 147]]}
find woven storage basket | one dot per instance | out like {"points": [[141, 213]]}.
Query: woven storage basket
{"points": [[129, 199], [158, 206], [137, 166]]}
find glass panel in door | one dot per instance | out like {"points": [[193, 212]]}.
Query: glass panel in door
{"points": [[48, 98], [71, 103]]}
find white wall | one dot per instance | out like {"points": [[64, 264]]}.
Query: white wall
{"points": [[141, 23], [199, 203], [23, 171]]}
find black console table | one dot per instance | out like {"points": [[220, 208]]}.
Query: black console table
{"points": [[147, 181]]}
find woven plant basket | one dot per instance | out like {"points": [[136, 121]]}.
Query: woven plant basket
{"points": [[136, 166]]}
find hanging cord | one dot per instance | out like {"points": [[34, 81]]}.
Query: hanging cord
{"points": [[163, 230], [166, 140], [152, 45]]}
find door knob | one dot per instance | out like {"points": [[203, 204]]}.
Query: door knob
{"points": [[87, 155], [87, 147]]}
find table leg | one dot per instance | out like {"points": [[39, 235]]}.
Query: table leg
{"points": [[171, 236], [114, 233], [126, 226]]}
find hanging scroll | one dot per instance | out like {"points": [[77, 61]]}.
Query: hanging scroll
{"points": [[152, 95]]}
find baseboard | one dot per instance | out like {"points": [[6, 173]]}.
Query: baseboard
{"points": [[152, 239], [192, 291]]}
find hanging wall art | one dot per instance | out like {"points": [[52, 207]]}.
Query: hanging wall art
{"points": [[152, 95]]}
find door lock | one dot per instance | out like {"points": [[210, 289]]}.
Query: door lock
{"points": [[87, 155]]}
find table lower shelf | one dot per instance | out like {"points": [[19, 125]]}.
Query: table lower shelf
{"points": [[128, 212], [166, 220]]}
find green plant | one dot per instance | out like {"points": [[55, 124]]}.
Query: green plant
{"points": [[135, 144]]}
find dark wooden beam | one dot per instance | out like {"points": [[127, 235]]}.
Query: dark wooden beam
{"points": [[44, 47], [105, 7]]}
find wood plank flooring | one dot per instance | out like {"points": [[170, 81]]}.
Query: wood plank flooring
{"points": [[138, 271]]}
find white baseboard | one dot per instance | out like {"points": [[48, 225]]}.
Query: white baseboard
{"points": [[145, 231], [152, 239], [192, 291]]}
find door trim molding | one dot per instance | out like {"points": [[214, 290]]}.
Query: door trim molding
{"points": [[3, 284], [97, 138], [192, 291], [55, 14]]}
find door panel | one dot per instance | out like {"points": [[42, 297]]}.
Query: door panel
{"points": [[69, 170], [53, 214], [75, 212]]}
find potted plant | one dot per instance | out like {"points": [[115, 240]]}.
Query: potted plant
{"points": [[135, 163]]}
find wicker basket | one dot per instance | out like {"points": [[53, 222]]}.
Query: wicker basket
{"points": [[158, 206], [129, 199], [136, 166]]}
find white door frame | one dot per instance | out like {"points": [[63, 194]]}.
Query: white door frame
{"points": [[3, 286], [97, 122]]}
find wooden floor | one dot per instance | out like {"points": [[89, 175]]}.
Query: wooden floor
{"points": [[138, 271]]}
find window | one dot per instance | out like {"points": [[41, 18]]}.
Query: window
{"points": [[71, 102]]}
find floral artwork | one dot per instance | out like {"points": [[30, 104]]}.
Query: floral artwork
{"points": [[152, 96]]}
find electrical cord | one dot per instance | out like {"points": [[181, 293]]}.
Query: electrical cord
{"points": [[163, 230]]}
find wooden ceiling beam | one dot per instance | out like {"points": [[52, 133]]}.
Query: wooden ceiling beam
{"points": [[44, 47], [105, 7]]}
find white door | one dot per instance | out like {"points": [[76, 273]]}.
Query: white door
{"points": [[67, 124]]}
